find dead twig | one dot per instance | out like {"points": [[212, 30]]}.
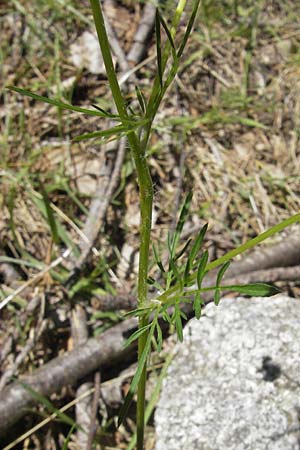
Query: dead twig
{"points": [[99, 206], [93, 422], [79, 333], [137, 50], [105, 350]]}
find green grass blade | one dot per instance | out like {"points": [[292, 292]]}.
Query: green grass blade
{"points": [[62, 233], [39, 398], [50, 214], [22, 262], [67, 440]]}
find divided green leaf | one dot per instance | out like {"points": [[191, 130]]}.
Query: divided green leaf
{"points": [[61, 104]]}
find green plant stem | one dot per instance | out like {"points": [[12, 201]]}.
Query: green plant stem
{"points": [[146, 200]]}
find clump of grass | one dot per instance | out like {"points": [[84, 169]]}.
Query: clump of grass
{"points": [[183, 275]]}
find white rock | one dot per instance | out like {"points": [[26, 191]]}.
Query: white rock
{"points": [[234, 382], [85, 53]]}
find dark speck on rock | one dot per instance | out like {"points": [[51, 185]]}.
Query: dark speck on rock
{"points": [[271, 371]]}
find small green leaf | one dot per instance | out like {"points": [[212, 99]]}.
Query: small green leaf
{"points": [[217, 296], [176, 274], [136, 335], [106, 113], [197, 306], [138, 312], [141, 99], [115, 131], [165, 315], [183, 315], [198, 243], [169, 36], [254, 290], [157, 258], [178, 323], [201, 268], [188, 28], [221, 272], [152, 282], [183, 250], [194, 251], [181, 221]]}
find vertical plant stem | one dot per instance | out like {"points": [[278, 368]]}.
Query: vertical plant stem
{"points": [[146, 200]]}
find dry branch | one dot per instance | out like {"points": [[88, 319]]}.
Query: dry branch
{"points": [[144, 30], [105, 350]]}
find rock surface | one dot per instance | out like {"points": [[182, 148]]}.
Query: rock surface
{"points": [[234, 383]]}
